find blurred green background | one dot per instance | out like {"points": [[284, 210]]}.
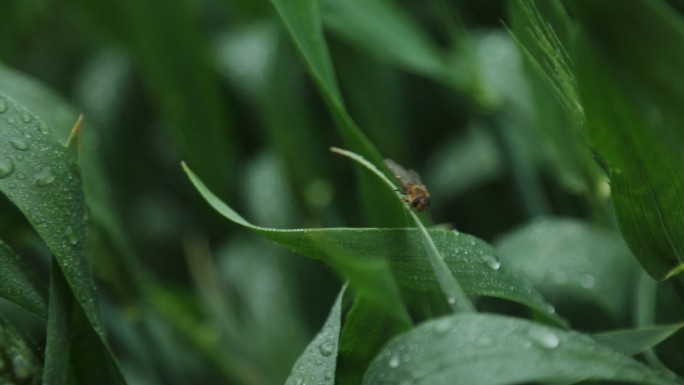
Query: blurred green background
{"points": [[439, 86]]}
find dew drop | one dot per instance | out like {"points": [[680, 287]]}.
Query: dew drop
{"points": [[6, 167], [20, 368], [43, 127], [71, 235], [550, 309], [394, 361], [326, 349], [44, 177], [26, 117], [491, 261], [19, 144], [587, 281], [544, 338], [451, 300], [442, 328], [299, 381], [3, 105]]}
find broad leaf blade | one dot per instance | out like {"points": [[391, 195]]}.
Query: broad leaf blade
{"points": [[19, 285], [317, 364], [490, 349], [353, 250]]}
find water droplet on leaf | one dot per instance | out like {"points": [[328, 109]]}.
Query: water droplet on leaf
{"points": [[20, 368], [71, 235], [394, 361], [44, 177], [587, 281], [326, 348], [26, 117], [491, 261], [544, 337], [6, 167], [19, 144], [43, 127]]}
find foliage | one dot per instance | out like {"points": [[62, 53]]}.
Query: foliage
{"points": [[547, 133]]}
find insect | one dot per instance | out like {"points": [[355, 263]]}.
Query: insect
{"points": [[413, 190]]}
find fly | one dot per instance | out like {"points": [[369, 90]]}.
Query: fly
{"points": [[413, 190]]}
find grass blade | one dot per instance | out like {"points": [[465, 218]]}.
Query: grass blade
{"points": [[450, 287], [19, 285], [317, 364], [471, 260]]}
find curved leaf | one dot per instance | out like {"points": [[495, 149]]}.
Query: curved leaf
{"points": [[635, 341], [39, 176], [488, 349], [385, 31], [19, 285], [349, 250], [634, 116], [302, 20], [317, 364], [59, 333], [585, 271]]}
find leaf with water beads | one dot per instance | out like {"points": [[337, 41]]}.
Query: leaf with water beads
{"points": [[351, 250], [317, 364], [487, 349], [42, 180]]}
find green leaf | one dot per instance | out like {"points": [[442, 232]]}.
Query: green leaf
{"points": [[491, 349], [19, 285], [40, 178], [635, 341], [449, 286], [60, 116], [386, 32], [633, 112], [302, 20], [170, 46], [542, 29], [59, 329], [351, 251], [317, 364], [585, 271]]}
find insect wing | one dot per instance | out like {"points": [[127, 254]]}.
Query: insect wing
{"points": [[414, 178], [398, 172]]}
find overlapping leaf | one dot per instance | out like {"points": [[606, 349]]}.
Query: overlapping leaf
{"points": [[629, 74], [353, 250], [490, 349]]}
